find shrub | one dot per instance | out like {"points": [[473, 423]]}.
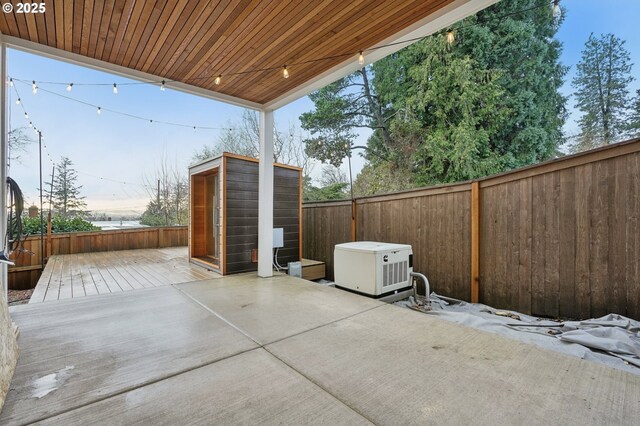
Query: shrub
{"points": [[59, 224]]}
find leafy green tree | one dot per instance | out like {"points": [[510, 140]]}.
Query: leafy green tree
{"points": [[602, 95], [517, 54], [487, 103], [333, 186], [455, 111], [65, 191], [382, 177], [341, 108]]}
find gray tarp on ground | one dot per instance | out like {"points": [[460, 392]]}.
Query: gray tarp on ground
{"points": [[613, 340]]}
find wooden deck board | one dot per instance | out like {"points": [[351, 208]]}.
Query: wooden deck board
{"points": [[86, 274]]}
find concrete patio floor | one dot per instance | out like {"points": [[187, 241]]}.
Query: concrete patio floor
{"points": [[247, 350]]}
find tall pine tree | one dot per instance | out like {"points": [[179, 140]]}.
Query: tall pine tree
{"points": [[65, 192], [602, 95]]}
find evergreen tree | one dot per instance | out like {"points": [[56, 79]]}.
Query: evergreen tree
{"points": [[519, 56], [487, 103], [65, 193], [634, 117], [602, 95]]}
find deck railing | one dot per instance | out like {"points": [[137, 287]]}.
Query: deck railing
{"points": [[561, 238], [26, 272]]}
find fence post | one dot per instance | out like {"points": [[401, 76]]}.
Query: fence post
{"points": [[72, 243], [160, 237], [475, 242], [353, 220]]}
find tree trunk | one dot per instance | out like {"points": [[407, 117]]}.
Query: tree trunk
{"points": [[375, 109]]}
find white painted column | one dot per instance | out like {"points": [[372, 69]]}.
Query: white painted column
{"points": [[4, 144], [265, 196]]}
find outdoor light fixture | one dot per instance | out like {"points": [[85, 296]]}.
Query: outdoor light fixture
{"points": [[26, 115], [557, 13], [115, 89], [218, 79], [69, 87], [285, 72], [30, 124], [34, 87], [361, 58], [162, 86], [18, 101], [99, 111], [11, 82], [451, 37]]}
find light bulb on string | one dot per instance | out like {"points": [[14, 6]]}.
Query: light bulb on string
{"points": [[26, 115], [194, 129], [18, 101], [115, 89], [556, 11], [218, 79], [69, 87], [30, 124], [361, 58], [34, 87], [451, 37], [162, 86], [11, 82], [99, 111], [285, 72]]}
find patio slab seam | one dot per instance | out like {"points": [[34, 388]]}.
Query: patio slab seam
{"points": [[264, 346], [255, 340]]}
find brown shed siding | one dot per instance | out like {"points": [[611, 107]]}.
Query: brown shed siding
{"points": [[242, 213]]}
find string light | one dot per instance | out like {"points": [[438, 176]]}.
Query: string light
{"points": [[162, 86], [451, 37], [11, 82], [361, 58], [556, 11], [30, 124], [115, 89], [218, 79], [34, 87], [26, 115], [99, 111], [18, 101], [69, 87], [285, 72]]}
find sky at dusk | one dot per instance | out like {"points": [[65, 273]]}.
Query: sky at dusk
{"points": [[106, 148]]}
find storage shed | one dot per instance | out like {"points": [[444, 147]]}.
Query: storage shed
{"points": [[223, 213]]}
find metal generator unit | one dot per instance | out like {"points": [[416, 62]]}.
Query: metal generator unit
{"points": [[373, 268]]}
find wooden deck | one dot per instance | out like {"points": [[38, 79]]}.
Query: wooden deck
{"points": [[78, 275]]}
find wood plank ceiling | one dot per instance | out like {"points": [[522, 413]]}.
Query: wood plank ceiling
{"points": [[194, 41]]}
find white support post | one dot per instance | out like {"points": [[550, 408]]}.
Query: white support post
{"points": [[4, 145], [265, 196]]}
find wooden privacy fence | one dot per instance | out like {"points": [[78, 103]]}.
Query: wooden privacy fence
{"points": [[559, 239], [28, 268]]}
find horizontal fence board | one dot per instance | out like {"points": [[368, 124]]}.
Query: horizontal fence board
{"points": [[559, 239]]}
